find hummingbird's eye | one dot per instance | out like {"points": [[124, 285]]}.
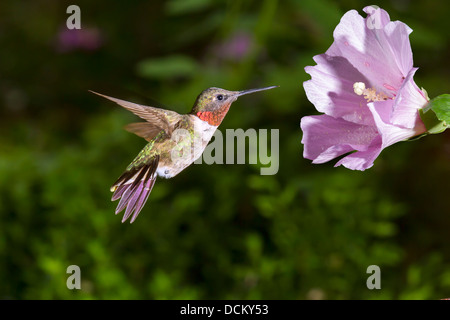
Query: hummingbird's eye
{"points": [[219, 97]]}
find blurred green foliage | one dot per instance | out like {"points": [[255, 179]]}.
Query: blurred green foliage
{"points": [[218, 231]]}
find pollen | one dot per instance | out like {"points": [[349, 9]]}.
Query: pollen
{"points": [[370, 94]]}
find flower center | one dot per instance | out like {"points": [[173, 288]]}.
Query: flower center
{"points": [[370, 94]]}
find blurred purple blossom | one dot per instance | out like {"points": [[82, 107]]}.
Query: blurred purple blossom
{"points": [[87, 39], [235, 48]]}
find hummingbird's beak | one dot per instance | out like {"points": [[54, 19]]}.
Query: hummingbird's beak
{"points": [[241, 93]]}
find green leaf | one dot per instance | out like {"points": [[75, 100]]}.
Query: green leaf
{"points": [[438, 120], [175, 7], [431, 122], [167, 67], [441, 106]]}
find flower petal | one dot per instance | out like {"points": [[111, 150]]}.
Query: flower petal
{"points": [[390, 133], [362, 160], [331, 89], [397, 34], [410, 98], [378, 18], [379, 50], [326, 138]]}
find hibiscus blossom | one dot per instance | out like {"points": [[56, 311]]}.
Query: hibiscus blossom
{"points": [[364, 85]]}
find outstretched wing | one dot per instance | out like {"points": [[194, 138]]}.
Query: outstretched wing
{"points": [[144, 130], [133, 188], [157, 119]]}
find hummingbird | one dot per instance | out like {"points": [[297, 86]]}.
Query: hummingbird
{"points": [[168, 152]]}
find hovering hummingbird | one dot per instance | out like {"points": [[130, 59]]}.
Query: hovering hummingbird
{"points": [[157, 158]]}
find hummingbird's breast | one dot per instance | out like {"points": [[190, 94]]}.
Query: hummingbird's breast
{"points": [[203, 130], [185, 146]]}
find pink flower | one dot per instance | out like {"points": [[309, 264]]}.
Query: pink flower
{"points": [[364, 85], [88, 39], [235, 48]]}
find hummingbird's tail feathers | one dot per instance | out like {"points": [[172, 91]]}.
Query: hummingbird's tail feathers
{"points": [[133, 188], [135, 199]]}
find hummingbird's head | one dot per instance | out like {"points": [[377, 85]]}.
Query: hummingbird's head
{"points": [[213, 103]]}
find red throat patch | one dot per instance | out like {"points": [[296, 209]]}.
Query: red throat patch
{"points": [[213, 118]]}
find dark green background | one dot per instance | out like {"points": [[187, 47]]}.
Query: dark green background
{"points": [[214, 231]]}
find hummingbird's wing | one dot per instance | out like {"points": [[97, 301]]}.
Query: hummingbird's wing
{"points": [[145, 130], [134, 186], [157, 119]]}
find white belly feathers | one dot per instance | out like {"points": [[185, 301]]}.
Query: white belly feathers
{"points": [[203, 133]]}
